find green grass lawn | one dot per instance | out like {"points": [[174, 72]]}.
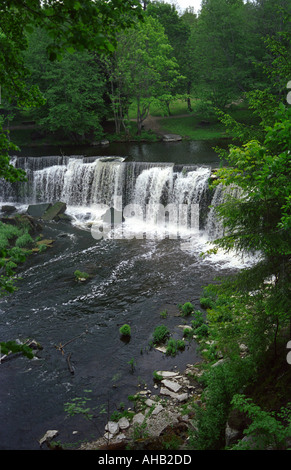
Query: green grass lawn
{"points": [[193, 127]]}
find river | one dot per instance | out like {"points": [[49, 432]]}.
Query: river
{"points": [[132, 280]]}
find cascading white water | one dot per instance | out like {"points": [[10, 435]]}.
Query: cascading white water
{"points": [[84, 183]]}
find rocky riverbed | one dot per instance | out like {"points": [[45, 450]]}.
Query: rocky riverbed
{"points": [[160, 420]]}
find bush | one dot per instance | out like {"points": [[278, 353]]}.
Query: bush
{"points": [[125, 330], [202, 331], [17, 255], [24, 240], [198, 319], [209, 297], [80, 276], [160, 334], [222, 383], [173, 346], [188, 333], [186, 309], [267, 428]]}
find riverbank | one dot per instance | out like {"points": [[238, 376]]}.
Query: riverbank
{"points": [[197, 126]]}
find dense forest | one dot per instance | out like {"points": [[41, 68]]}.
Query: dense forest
{"points": [[76, 72], [210, 59]]}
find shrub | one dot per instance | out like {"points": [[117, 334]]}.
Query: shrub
{"points": [[188, 333], [3, 244], [186, 309], [222, 383], [125, 330], [80, 276], [42, 247], [17, 255], [164, 314], [173, 346], [202, 331], [267, 428], [206, 302], [24, 240], [160, 334], [198, 319]]}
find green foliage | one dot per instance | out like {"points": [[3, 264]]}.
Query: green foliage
{"points": [[142, 70], [198, 319], [24, 240], [77, 406], [14, 240], [70, 27], [73, 89], [132, 364], [164, 314], [186, 309], [117, 415], [173, 346], [80, 275], [222, 382], [14, 347], [188, 333], [157, 376], [161, 334], [125, 330], [267, 430]]}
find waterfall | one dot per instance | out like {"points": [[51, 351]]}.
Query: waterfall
{"points": [[84, 182]]}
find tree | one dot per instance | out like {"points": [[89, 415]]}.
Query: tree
{"points": [[260, 218], [71, 26], [224, 44], [177, 31], [73, 89], [143, 70]]}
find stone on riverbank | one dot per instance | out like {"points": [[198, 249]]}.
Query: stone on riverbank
{"points": [[38, 210], [8, 208], [172, 138], [54, 212]]}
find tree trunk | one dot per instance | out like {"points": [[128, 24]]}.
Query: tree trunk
{"points": [[189, 99]]}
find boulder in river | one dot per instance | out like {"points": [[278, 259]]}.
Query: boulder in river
{"points": [[54, 212], [8, 208], [38, 210]]}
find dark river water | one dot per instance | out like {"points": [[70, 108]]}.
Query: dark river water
{"points": [[195, 152], [131, 281]]}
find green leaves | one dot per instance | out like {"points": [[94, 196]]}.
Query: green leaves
{"points": [[14, 347], [266, 429], [258, 216], [143, 70]]}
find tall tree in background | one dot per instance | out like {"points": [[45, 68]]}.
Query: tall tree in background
{"points": [[177, 32], [143, 70], [71, 26], [223, 44], [73, 89]]}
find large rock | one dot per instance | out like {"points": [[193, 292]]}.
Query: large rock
{"points": [[7, 208], [54, 212], [38, 210], [21, 220], [171, 385], [172, 138]]}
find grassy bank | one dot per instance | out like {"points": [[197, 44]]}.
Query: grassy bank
{"points": [[200, 124]]}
